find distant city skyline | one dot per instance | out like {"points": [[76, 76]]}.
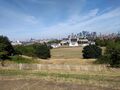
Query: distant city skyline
{"points": [[25, 19]]}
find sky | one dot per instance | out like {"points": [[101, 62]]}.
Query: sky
{"points": [[41, 19]]}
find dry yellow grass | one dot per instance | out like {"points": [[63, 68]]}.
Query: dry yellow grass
{"points": [[16, 78], [74, 61], [67, 53], [65, 56], [108, 79]]}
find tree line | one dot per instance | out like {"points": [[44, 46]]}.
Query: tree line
{"points": [[111, 55]]}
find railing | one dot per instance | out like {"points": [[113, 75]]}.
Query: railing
{"points": [[56, 67]]}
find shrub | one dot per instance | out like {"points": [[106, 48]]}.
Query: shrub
{"points": [[54, 41], [6, 49], [104, 59], [24, 50], [92, 51], [100, 42], [36, 50], [112, 55], [5, 46], [105, 42], [113, 50], [42, 51]]}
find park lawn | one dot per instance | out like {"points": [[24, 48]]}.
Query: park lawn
{"points": [[74, 61], [67, 53]]}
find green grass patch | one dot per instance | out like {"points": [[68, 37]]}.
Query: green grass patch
{"points": [[12, 72], [79, 76], [19, 59], [82, 76]]}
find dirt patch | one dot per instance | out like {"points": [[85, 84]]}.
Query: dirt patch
{"points": [[34, 84]]}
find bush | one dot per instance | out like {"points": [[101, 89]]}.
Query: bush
{"points": [[92, 51], [113, 50], [42, 51], [6, 49], [36, 50], [54, 41], [103, 42], [112, 55], [104, 59], [100, 42], [5, 46], [24, 50]]}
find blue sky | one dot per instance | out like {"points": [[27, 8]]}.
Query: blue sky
{"points": [[24, 19]]}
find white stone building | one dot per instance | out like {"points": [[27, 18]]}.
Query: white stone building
{"points": [[74, 41]]}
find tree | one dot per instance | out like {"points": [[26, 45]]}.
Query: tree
{"points": [[92, 51], [42, 51], [117, 40], [6, 48], [34, 50], [100, 42], [5, 45], [54, 41], [3, 56], [24, 50], [111, 55], [113, 50]]}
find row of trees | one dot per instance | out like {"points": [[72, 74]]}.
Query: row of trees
{"points": [[111, 55], [105, 42]]}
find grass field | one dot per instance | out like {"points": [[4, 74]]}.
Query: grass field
{"points": [[67, 53], [58, 56], [67, 56], [60, 80]]}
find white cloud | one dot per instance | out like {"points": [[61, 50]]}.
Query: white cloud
{"points": [[94, 12], [31, 19], [100, 23], [17, 17], [95, 20]]}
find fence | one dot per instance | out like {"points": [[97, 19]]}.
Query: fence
{"points": [[56, 67]]}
